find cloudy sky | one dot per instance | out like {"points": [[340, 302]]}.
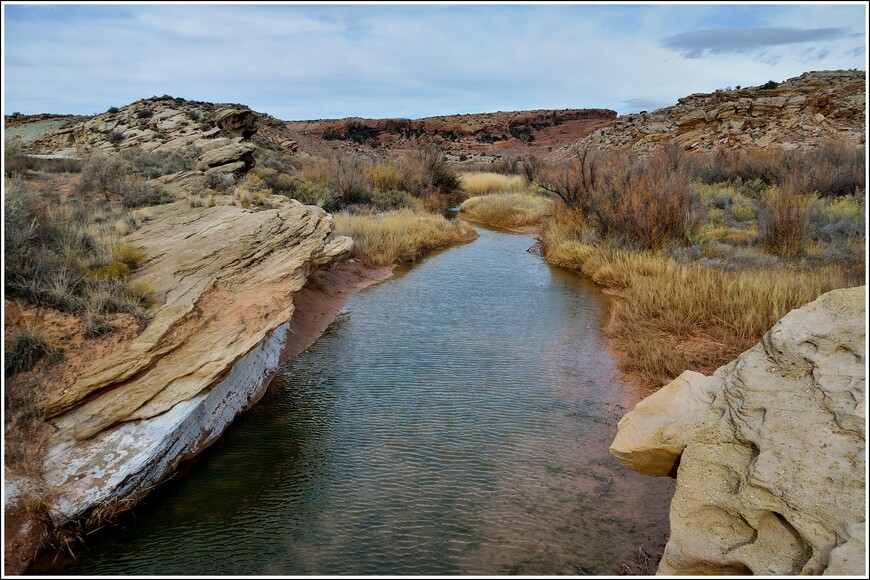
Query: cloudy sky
{"points": [[329, 61]]}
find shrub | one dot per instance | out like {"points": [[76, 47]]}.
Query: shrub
{"points": [[112, 271], [116, 137], [137, 193], [113, 110], [96, 326], [392, 199], [130, 255], [218, 180], [103, 175], [350, 181], [163, 162], [574, 179], [785, 218], [769, 85], [25, 350]]}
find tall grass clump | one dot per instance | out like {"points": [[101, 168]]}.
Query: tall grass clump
{"points": [[509, 210], [24, 350], [483, 183], [399, 236]]}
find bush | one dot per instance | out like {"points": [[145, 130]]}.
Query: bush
{"points": [[639, 201], [785, 218], [163, 162], [769, 85], [130, 255], [103, 175], [96, 326], [137, 193], [24, 352], [350, 182], [112, 271], [218, 180]]}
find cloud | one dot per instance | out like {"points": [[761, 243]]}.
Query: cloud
{"points": [[735, 40]]}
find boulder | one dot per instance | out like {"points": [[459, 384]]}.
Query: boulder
{"points": [[769, 451]]}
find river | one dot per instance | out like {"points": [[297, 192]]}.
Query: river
{"points": [[454, 419]]}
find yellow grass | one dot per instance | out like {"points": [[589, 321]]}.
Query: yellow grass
{"points": [[677, 316], [510, 210], [483, 183], [399, 236]]}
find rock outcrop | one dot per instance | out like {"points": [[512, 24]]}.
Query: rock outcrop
{"points": [[225, 278], [769, 452], [801, 111], [481, 134], [224, 133]]}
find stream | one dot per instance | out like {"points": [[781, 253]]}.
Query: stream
{"points": [[454, 419]]}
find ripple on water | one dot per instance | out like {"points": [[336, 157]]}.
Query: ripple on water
{"points": [[454, 420]]}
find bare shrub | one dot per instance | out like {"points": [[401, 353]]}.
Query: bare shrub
{"points": [[574, 179], [785, 217]]}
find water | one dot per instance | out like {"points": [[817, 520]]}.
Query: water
{"points": [[454, 419]]}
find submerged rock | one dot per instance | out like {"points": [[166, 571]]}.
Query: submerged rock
{"points": [[769, 452]]}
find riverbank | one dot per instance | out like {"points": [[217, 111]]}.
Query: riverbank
{"points": [[57, 506]]}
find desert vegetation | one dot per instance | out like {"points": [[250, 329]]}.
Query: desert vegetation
{"points": [[400, 235], [710, 250], [509, 210]]}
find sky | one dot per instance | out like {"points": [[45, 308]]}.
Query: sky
{"points": [[304, 61]]}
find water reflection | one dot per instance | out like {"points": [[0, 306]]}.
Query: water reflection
{"points": [[455, 420]]}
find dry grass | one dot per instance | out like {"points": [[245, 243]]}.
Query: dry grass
{"points": [[399, 236], [476, 184], [677, 316], [510, 210]]}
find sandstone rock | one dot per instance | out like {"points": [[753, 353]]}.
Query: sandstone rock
{"points": [[771, 450], [226, 278], [230, 153], [241, 122], [797, 113]]}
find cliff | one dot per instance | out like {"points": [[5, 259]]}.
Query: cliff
{"points": [[768, 452], [516, 133]]}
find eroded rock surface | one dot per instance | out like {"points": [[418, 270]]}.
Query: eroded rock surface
{"points": [[804, 110], [769, 452], [226, 278]]}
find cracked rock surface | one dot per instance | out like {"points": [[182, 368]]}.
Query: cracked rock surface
{"points": [[769, 452]]}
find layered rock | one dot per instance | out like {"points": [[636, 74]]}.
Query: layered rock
{"points": [[801, 111], [226, 279], [223, 133], [769, 452]]}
